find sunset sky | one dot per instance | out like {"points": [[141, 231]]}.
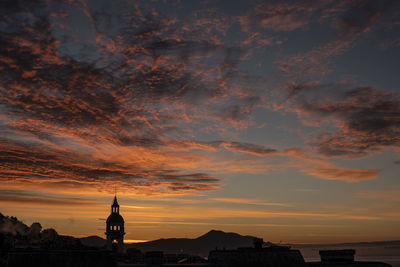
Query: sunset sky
{"points": [[278, 119]]}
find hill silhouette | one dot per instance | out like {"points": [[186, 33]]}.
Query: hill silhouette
{"points": [[15, 232], [93, 241], [201, 245]]}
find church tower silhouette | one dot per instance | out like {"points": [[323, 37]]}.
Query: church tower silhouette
{"points": [[115, 229]]}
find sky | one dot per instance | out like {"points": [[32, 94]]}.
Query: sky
{"points": [[277, 119]]}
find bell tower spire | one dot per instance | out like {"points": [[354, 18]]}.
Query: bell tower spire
{"points": [[115, 228], [115, 206]]}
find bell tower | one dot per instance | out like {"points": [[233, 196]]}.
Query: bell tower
{"points": [[115, 229]]}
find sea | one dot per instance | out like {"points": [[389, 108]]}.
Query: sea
{"points": [[392, 260]]}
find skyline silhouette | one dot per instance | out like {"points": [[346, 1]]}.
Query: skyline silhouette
{"points": [[21, 245]]}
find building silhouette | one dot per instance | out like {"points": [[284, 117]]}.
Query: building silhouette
{"points": [[343, 258], [115, 229], [272, 256]]}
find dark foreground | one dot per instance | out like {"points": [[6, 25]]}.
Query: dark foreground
{"points": [[274, 256]]}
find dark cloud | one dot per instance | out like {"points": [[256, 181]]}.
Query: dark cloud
{"points": [[368, 119], [250, 148], [359, 15], [137, 141], [350, 21], [283, 16], [142, 71], [142, 77], [243, 147]]}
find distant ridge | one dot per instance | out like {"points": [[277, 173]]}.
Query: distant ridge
{"points": [[201, 245], [197, 246], [93, 241]]}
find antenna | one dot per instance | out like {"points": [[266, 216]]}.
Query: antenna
{"points": [[115, 190]]}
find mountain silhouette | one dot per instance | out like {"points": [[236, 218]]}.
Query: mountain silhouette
{"points": [[93, 241], [201, 245]]}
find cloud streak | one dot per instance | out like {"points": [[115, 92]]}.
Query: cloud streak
{"points": [[33, 164], [349, 175], [34, 199]]}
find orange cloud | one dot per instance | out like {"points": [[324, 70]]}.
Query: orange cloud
{"points": [[348, 175], [250, 202]]}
